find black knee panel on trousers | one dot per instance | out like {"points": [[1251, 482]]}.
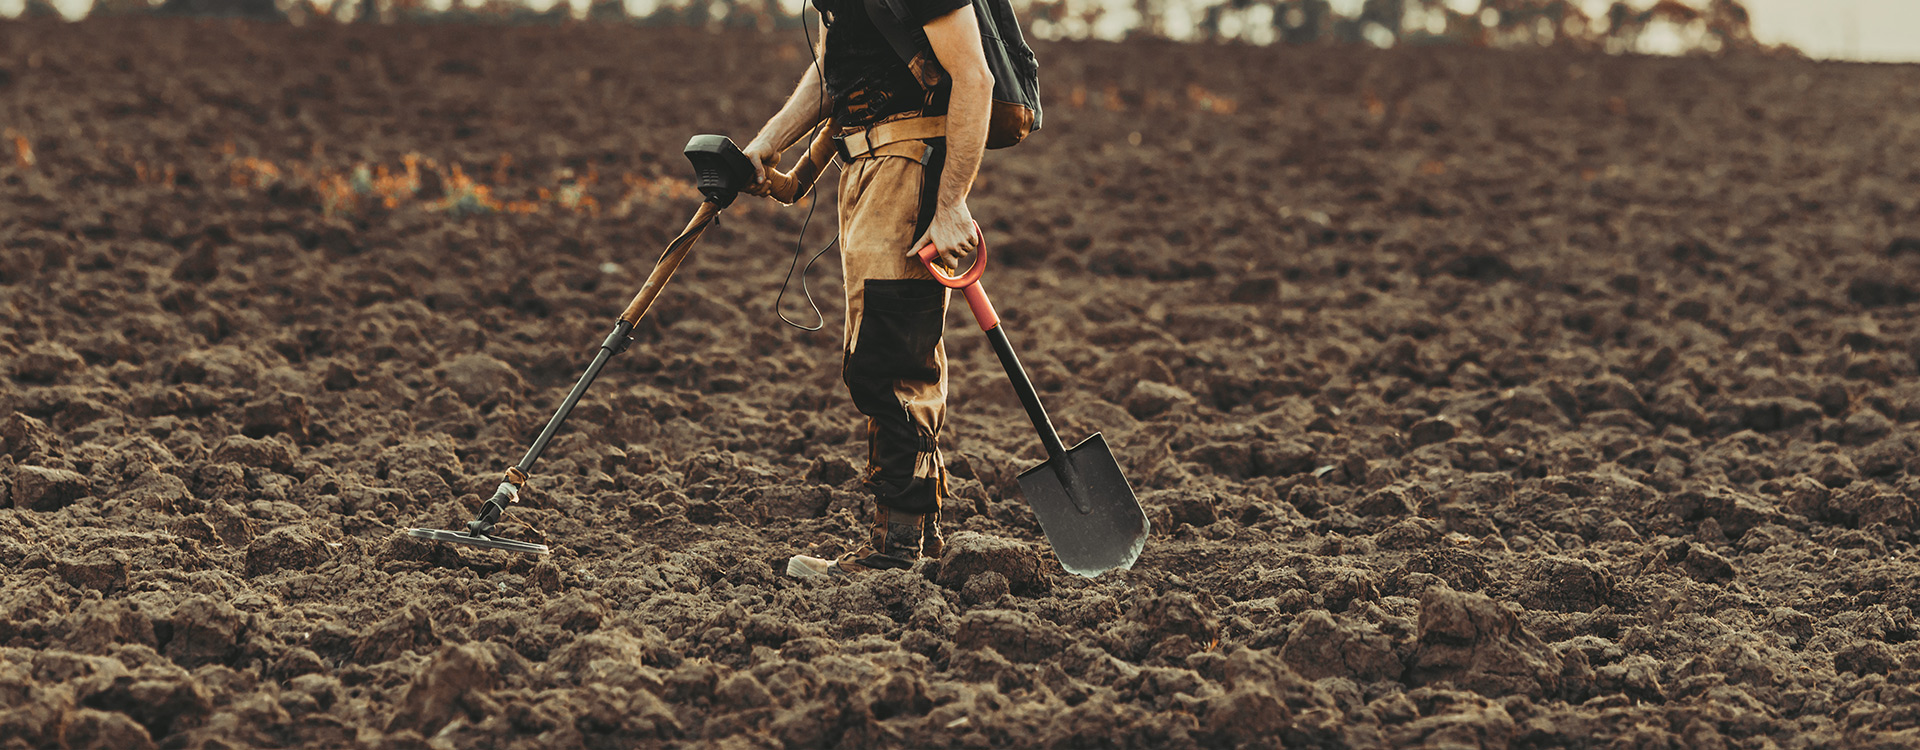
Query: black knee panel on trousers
{"points": [[899, 329]]}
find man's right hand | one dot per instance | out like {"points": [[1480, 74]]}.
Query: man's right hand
{"points": [[764, 157]]}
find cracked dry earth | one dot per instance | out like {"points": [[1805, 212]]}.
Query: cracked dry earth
{"points": [[1479, 399]]}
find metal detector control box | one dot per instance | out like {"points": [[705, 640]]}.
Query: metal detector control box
{"points": [[720, 170]]}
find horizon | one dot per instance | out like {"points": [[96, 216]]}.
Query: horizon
{"points": [[1850, 30]]}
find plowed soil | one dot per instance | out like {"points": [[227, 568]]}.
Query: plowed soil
{"points": [[1478, 399]]}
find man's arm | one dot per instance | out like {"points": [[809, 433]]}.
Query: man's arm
{"points": [[955, 38], [802, 111]]}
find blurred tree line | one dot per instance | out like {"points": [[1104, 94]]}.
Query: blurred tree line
{"points": [[1712, 25], [1699, 26]]}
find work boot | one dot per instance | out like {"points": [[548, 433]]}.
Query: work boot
{"points": [[895, 542], [932, 544]]}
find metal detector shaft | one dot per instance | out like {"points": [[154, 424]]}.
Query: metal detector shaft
{"points": [[723, 172], [669, 262], [615, 343]]}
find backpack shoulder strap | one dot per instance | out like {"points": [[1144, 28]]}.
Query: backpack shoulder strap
{"points": [[889, 16]]}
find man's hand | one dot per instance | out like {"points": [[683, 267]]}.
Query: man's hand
{"points": [[951, 233], [765, 157]]}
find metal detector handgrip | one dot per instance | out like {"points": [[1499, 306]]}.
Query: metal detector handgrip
{"points": [[790, 187], [968, 283]]}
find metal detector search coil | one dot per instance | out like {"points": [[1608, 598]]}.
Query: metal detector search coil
{"points": [[478, 540]]}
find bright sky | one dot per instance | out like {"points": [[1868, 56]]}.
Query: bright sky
{"points": [[1886, 30], [1882, 30]]}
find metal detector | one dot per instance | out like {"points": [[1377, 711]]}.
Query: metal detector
{"points": [[721, 173]]}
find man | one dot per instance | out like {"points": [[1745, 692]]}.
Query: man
{"points": [[909, 155]]}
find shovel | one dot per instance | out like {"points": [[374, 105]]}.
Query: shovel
{"points": [[721, 172], [1083, 501]]}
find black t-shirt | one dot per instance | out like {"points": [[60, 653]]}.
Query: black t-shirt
{"points": [[866, 79]]}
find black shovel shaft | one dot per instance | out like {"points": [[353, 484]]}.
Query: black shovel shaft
{"points": [[1023, 386], [616, 342]]}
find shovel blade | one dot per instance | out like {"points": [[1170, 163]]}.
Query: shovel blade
{"points": [[1113, 531]]}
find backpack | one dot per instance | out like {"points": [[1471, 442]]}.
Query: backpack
{"points": [[1016, 74]]}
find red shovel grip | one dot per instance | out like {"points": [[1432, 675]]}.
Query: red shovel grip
{"points": [[968, 283], [928, 252]]}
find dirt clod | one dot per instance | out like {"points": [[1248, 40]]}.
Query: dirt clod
{"points": [[481, 379], [248, 452], [47, 362], [22, 436], [454, 684], [1567, 585], [1149, 399], [969, 555], [1322, 646], [43, 489], [286, 548], [1016, 635], [1472, 642], [204, 630]]}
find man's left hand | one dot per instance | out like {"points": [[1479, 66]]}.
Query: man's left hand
{"points": [[951, 233]]}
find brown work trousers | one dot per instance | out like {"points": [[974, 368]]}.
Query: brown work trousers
{"points": [[894, 364]]}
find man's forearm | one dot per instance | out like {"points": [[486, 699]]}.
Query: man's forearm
{"points": [[955, 38], [802, 111], [968, 109]]}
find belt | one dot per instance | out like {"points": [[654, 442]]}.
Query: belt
{"points": [[888, 139]]}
